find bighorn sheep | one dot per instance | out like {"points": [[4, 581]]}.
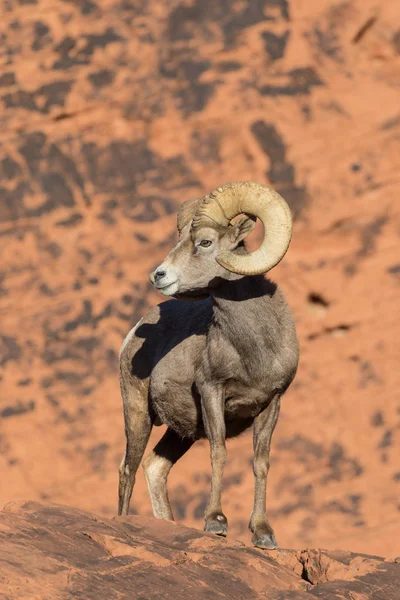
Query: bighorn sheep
{"points": [[213, 367]]}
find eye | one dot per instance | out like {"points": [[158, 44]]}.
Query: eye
{"points": [[205, 243]]}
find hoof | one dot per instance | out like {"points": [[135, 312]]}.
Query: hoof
{"points": [[217, 525], [266, 541]]}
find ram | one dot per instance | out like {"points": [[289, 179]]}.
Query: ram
{"points": [[214, 367]]}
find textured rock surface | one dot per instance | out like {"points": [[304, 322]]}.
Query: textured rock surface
{"points": [[61, 552], [111, 114]]}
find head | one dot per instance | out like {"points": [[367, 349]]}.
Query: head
{"points": [[210, 247]]}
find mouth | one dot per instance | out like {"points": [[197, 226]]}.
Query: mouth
{"points": [[172, 290], [168, 290]]}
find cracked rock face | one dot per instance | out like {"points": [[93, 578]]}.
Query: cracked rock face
{"points": [[111, 115], [62, 552]]}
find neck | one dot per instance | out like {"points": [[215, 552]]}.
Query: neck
{"points": [[240, 306], [239, 288]]}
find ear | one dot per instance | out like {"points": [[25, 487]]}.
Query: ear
{"points": [[239, 230]]}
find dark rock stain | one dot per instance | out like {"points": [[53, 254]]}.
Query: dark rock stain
{"points": [[54, 94], [20, 99], [341, 328], [233, 480], [120, 166], [149, 209], [369, 235], [205, 147], [9, 169], [303, 500], [87, 317], [185, 19], [42, 36], [302, 447], [350, 505], [394, 269], [188, 69], [143, 239], [391, 123], [86, 7], [69, 377], [396, 41], [7, 79], [57, 190], [127, 299], [300, 81], [327, 42], [54, 249], [17, 409], [70, 56], [100, 41], [41, 100], [281, 173], [275, 45], [340, 465], [97, 456], [325, 34], [51, 168], [71, 221], [47, 291], [228, 66], [363, 30], [387, 439], [252, 13], [32, 150], [377, 419], [101, 78], [9, 349], [367, 374], [64, 163], [64, 48], [317, 300], [191, 94]]}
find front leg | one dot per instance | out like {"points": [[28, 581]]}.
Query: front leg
{"points": [[213, 408], [264, 425]]}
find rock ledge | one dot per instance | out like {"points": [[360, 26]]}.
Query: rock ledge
{"points": [[53, 551]]}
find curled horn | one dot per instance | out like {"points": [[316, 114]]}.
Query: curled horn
{"points": [[249, 197], [187, 212]]}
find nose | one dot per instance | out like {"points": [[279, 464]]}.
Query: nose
{"points": [[159, 274]]}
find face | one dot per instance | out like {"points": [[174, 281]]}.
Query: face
{"points": [[190, 270]]}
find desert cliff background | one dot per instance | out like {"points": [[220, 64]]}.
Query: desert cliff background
{"points": [[114, 112]]}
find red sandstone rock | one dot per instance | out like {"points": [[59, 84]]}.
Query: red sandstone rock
{"points": [[60, 552], [111, 114]]}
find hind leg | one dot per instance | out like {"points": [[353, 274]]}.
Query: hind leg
{"points": [[138, 425], [156, 467]]}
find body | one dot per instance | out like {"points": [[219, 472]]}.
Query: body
{"points": [[217, 364], [246, 359]]}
